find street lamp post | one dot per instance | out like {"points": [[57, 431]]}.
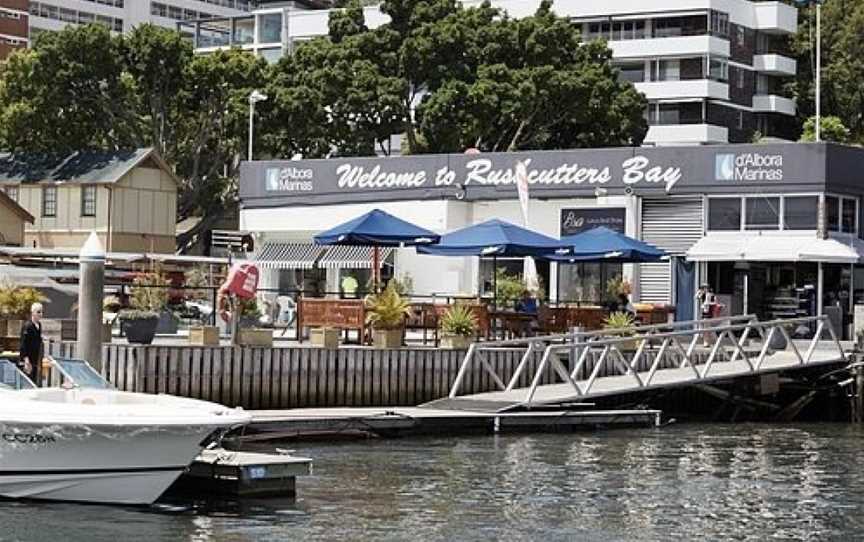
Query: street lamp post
{"points": [[254, 98]]}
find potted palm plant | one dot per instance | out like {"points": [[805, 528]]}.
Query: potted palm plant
{"points": [[387, 311], [458, 327], [149, 298], [620, 324]]}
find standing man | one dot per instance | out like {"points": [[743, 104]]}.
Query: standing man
{"points": [[30, 357]]}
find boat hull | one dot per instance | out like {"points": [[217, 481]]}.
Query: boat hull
{"points": [[90, 463]]}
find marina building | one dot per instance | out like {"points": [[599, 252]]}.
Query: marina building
{"points": [[775, 229], [712, 70]]}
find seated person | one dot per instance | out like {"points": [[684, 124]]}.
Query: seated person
{"points": [[527, 303], [624, 305]]}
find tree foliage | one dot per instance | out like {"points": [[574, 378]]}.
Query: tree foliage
{"points": [[842, 64], [831, 129], [444, 76]]}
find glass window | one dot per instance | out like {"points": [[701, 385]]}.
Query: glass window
{"points": [[762, 213], [832, 213], [633, 72], [848, 215], [49, 201], [724, 214], [585, 282], [740, 36], [800, 212], [244, 30], [88, 201], [270, 28], [719, 69], [271, 55]]}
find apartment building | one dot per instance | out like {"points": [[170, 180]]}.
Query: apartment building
{"points": [[712, 70], [14, 29], [123, 15]]}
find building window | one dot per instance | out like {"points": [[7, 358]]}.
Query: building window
{"points": [[719, 23], [88, 201], [49, 201], [848, 212], [740, 120], [158, 9], [800, 212], [740, 36], [586, 282], [739, 77], [832, 213], [724, 214], [631, 71], [12, 192], [270, 28], [718, 69], [762, 213]]}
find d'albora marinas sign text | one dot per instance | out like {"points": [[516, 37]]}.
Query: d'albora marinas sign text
{"points": [[480, 171]]}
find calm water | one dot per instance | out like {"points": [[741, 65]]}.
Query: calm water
{"points": [[741, 482]]}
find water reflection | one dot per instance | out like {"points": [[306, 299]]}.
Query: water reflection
{"points": [[743, 482]]}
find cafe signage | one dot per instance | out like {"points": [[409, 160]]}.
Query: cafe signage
{"points": [[575, 221]]}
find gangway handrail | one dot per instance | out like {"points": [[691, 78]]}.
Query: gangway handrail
{"points": [[668, 340], [530, 343]]}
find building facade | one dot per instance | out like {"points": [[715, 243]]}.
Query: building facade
{"points": [[712, 70], [14, 26], [123, 15], [774, 228], [129, 199]]}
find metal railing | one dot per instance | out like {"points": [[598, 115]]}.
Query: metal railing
{"points": [[682, 338]]}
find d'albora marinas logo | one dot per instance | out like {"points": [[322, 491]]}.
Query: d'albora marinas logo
{"points": [[289, 179], [748, 166]]}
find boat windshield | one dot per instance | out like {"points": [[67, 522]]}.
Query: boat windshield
{"points": [[80, 373], [12, 378]]}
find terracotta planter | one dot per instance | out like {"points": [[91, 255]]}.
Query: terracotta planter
{"points": [[386, 339], [140, 330], [456, 342]]}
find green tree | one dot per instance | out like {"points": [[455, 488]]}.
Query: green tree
{"points": [[538, 87], [830, 129], [842, 64], [70, 92]]}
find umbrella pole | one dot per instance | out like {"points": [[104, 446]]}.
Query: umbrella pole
{"points": [[494, 283], [376, 265]]}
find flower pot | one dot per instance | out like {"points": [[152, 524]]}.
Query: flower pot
{"points": [[326, 337], [140, 330], [167, 323], [204, 335], [255, 337], [456, 342], [386, 339]]}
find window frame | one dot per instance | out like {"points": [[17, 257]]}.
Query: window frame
{"points": [[87, 202], [51, 189]]}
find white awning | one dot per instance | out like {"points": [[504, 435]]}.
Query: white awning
{"points": [[288, 255], [774, 248], [352, 257]]}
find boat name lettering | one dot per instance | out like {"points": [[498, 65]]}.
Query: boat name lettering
{"points": [[27, 438]]}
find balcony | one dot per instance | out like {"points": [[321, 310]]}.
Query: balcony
{"points": [[775, 17], [770, 103], [697, 88], [772, 64], [677, 46], [692, 134]]}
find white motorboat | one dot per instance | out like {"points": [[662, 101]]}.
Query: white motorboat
{"points": [[102, 445]]}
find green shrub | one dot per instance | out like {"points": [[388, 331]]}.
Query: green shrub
{"points": [[459, 320]]}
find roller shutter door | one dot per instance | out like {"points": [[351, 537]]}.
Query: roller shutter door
{"points": [[671, 224]]}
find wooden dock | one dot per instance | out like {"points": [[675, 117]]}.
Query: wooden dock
{"points": [[333, 423]]}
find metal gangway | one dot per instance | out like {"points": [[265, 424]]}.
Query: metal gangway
{"points": [[642, 358]]}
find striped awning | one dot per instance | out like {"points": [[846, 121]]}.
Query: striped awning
{"points": [[289, 255], [352, 257]]}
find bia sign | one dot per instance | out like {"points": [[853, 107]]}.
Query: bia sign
{"points": [[748, 166]]}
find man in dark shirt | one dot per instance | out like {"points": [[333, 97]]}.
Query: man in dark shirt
{"points": [[31, 345]]}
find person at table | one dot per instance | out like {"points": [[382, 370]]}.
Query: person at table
{"points": [[527, 303], [30, 358]]}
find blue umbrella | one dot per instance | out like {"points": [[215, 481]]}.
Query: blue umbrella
{"points": [[377, 228], [492, 238], [604, 245]]}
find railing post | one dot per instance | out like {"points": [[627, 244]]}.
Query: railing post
{"points": [[461, 374]]}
